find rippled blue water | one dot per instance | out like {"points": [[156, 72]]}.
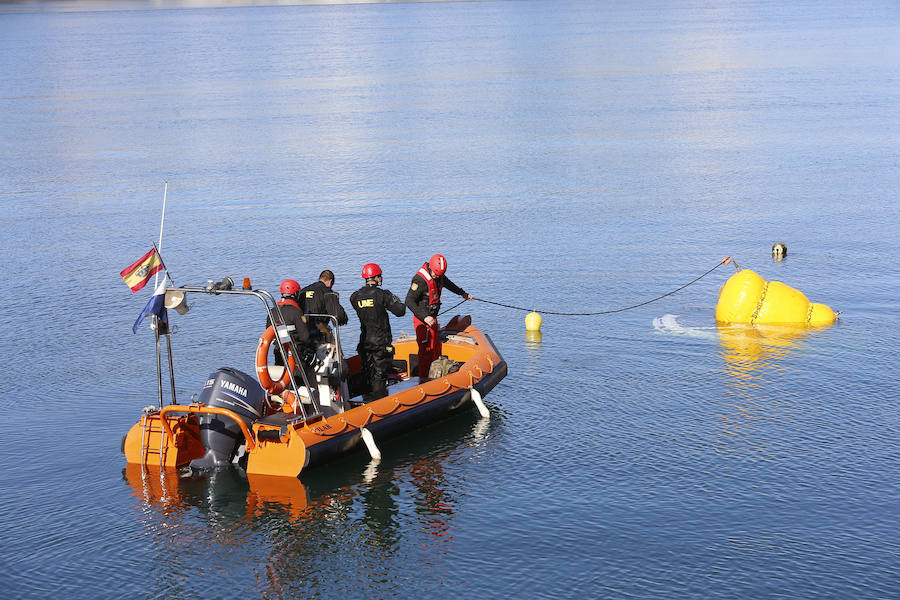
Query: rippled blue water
{"points": [[569, 157]]}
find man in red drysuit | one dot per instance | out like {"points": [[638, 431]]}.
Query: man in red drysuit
{"points": [[424, 301]]}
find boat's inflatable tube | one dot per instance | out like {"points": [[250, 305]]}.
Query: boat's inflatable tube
{"points": [[748, 298]]}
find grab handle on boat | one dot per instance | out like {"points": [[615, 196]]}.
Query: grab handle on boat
{"points": [[210, 410], [479, 403]]}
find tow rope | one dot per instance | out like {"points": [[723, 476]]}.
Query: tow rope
{"points": [[724, 261]]}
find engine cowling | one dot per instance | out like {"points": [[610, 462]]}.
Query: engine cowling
{"points": [[221, 436]]}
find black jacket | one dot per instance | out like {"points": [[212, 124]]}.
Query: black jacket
{"points": [[371, 303], [293, 316], [318, 298], [417, 296]]}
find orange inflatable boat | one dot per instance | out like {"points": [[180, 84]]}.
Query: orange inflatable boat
{"points": [[298, 419]]}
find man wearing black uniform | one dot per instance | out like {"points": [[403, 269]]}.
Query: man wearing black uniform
{"points": [[372, 305], [424, 301], [319, 298]]}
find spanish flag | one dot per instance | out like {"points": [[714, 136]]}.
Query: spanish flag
{"points": [[138, 274]]}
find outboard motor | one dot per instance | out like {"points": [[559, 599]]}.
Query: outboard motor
{"points": [[221, 436]]}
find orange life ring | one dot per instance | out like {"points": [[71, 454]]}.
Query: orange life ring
{"points": [[262, 364]]}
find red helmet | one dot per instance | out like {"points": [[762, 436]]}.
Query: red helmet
{"points": [[438, 264], [288, 287], [370, 270]]}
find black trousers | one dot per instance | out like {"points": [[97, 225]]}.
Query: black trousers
{"points": [[376, 361]]}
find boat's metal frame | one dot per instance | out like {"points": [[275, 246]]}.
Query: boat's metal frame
{"points": [[275, 315]]}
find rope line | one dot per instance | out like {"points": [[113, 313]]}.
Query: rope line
{"points": [[724, 261], [452, 307]]}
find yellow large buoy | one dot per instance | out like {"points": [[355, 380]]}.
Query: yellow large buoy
{"points": [[748, 298], [533, 321]]}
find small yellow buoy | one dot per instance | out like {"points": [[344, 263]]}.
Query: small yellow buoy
{"points": [[533, 321]]}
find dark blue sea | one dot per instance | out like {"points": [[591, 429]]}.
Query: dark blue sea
{"points": [[570, 157]]}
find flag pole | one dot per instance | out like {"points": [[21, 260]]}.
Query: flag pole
{"points": [[158, 362], [156, 322], [162, 223], [165, 268], [171, 366]]}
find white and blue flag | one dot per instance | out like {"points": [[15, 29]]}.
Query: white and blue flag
{"points": [[156, 306]]}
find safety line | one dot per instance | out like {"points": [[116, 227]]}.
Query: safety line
{"points": [[452, 307], [724, 261]]}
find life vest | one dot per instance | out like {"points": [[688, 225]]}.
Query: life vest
{"points": [[289, 302], [434, 286]]}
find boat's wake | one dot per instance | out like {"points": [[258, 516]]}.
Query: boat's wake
{"points": [[669, 325]]}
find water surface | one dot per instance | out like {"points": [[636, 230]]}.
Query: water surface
{"points": [[569, 157]]}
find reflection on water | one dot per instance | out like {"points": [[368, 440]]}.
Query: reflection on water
{"points": [[534, 366], [285, 496], [481, 429], [224, 494], [749, 350], [758, 360], [433, 504], [352, 514]]}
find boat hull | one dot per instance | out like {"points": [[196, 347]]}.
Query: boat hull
{"points": [[285, 444], [409, 420]]}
